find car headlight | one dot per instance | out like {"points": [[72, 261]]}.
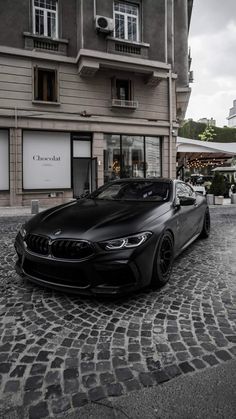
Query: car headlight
{"points": [[22, 231], [128, 242]]}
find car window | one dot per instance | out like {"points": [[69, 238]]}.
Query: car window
{"points": [[134, 191], [184, 190]]}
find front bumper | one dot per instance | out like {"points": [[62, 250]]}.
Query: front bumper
{"points": [[106, 273]]}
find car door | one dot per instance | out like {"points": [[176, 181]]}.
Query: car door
{"points": [[186, 219]]}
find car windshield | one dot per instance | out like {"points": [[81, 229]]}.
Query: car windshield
{"points": [[134, 191]]}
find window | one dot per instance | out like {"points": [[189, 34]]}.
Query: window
{"points": [[131, 156], [45, 18], [122, 94], [126, 21], [123, 89], [45, 85], [184, 190]]}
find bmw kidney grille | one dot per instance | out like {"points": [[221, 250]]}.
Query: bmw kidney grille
{"points": [[60, 248]]}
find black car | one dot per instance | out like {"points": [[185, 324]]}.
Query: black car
{"points": [[122, 237]]}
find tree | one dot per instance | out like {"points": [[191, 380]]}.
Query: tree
{"points": [[208, 134], [218, 187]]}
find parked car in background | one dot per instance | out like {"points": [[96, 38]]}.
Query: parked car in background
{"points": [[200, 189], [122, 237]]}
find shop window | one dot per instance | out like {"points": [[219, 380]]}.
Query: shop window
{"points": [[131, 156], [45, 18], [45, 85], [126, 16]]}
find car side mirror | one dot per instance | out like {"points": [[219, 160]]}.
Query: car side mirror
{"points": [[186, 200]]}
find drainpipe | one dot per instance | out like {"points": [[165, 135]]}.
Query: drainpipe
{"points": [[166, 32], [82, 23], [94, 8], [171, 122]]}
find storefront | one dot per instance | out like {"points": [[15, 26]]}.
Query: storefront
{"points": [[56, 166]]}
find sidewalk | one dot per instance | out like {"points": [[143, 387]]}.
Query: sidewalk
{"points": [[16, 211], [22, 211]]}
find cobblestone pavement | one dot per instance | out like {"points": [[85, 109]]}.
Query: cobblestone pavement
{"points": [[58, 352]]}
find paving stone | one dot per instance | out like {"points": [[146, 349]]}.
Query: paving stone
{"points": [[146, 379], [30, 397], [223, 355], [172, 371], [114, 389], [211, 360], [12, 386], [96, 394], [198, 364], [60, 405], [18, 371], [132, 385], [106, 378], [57, 362], [38, 369], [90, 380], [160, 376], [123, 374], [38, 411], [34, 383], [5, 368], [186, 367], [79, 400]]}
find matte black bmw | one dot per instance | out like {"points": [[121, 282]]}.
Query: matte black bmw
{"points": [[122, 237]]}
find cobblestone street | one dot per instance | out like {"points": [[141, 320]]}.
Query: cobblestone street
{"points": [[59, 352]]}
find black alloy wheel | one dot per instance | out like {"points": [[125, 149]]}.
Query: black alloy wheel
{"points": [[163, 261], [206, 225]]}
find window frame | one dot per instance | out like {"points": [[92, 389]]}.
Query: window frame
{"points": [[126, 15], [45, 16], [36, 69]]}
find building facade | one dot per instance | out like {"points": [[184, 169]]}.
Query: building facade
{"points": [[232, 116], [90, 90]]}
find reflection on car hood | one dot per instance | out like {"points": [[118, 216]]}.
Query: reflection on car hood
{"points": [[96, 219]]}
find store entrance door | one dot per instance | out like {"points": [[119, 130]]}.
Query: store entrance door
{"points": [[84, 176]]}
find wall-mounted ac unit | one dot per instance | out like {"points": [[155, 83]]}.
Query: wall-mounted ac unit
{"points": [[104, 24]]}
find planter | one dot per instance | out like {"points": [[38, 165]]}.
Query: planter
{"points": [[210, 199], [219, 200], [233, 198]]}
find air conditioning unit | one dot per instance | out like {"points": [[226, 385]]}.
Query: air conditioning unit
{"points": [[104, 24]]}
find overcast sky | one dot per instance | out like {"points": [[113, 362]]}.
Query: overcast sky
{"points": [[213, 49]]}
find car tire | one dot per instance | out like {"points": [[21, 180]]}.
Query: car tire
{"points": [[206, 225], [163, 261]]}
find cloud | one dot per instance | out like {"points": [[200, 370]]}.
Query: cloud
{"points": [[213, 41]]}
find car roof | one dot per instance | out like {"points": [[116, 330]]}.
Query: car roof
{"points": [[149, 179]]}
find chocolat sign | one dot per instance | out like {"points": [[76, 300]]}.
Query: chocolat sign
{"points": [[4, 160], [46, 160]]}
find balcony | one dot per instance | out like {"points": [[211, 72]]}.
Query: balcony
{"points": [[128, 104], [91, 61], [45, 44]]}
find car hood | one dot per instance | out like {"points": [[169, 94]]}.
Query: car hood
{"points": [[97, 220]]}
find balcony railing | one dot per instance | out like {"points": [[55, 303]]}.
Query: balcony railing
{"points": [[118, 103]]}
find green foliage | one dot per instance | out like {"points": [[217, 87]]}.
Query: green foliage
{"points": [[208, 134], [218, 187], [192, 129]]}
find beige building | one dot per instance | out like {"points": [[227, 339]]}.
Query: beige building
{"points": [[89, 91]]}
